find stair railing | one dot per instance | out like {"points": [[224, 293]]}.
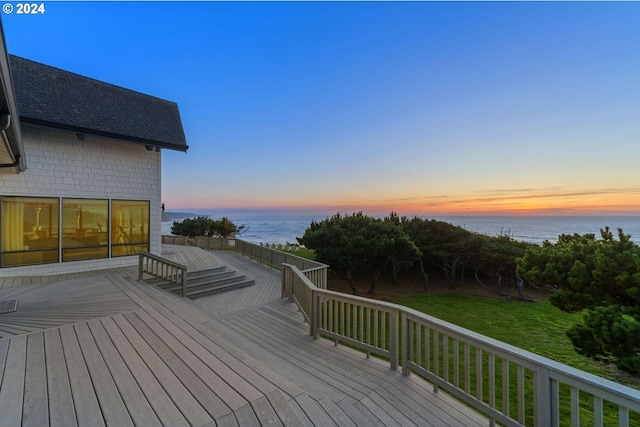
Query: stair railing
{"points": [[162, 268]]}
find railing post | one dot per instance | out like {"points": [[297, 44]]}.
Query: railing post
{"points": [[285, 272], [543, 414], [292, 286], [184, 282], [140, 263], [316, 305], [393, 339], [407, 343]]}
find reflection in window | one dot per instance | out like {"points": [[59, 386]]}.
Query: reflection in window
{"points": [[129, 227], [84, 229], [29, 231], [33, 232]]}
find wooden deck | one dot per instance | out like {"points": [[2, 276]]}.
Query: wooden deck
{"points": [[104, 349]]}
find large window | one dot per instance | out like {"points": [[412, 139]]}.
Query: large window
{"points": [[84, 229], [29, 231], [129, 227], [42, 230]]}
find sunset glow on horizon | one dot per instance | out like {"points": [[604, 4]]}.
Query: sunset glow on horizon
{"points": [[623, 202], [421, 108]]}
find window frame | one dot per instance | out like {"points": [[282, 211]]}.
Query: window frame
{"points": [[62, 248]]}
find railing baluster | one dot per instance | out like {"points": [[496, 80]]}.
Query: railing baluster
{"points": [[555, 403], [456, 362], [350, 333], [336, 307], [416, 329], [467, 368], [445, 357], [491, 365], [479, 373], [368, 325], [375, 328], [436, 353], [393, 339], [341, 310], [598, 420], [623, 416], [427, 348], [505, 386], [361, 323], [407, 331], [520, 380], [575, 407]]}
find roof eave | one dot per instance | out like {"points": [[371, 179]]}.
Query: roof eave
{"points": [[12, 134], [133, 139]]}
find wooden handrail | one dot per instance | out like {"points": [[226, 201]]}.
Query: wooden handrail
{"points": [[163, 268], [478, 370], [316, 271]]}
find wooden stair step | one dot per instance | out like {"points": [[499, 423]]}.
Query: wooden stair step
{"points": [[214, 289], [191, 275], [205, 282]]}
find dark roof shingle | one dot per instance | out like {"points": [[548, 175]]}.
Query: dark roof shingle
{"points": [[53, 97]]}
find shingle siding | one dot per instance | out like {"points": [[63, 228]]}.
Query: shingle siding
{"points": [[62, 166]]}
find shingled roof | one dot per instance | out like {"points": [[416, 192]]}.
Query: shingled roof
{"points": [[53, 97]]}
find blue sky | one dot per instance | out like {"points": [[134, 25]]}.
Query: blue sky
{"points": [[418, 107]]}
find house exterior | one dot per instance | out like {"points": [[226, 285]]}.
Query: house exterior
{"points": [[80, 183]]}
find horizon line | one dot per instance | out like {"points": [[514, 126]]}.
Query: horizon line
{"points": [[377, 212]]}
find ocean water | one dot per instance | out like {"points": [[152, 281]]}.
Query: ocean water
{"points": [[282, 226]]}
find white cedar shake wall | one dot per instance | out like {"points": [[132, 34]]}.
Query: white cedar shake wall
{"points": [[60, 165]]}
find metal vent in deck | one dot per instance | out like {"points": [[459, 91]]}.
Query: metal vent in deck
{"points": [[8, 305]]}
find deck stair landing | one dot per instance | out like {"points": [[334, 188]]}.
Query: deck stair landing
{"points": [[205, 282]]}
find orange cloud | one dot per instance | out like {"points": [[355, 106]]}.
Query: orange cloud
{"points": [[529, 201]]}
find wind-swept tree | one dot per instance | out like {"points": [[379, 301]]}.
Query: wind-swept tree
{"points": [[494, 263], [340, 242], [421, 236], [445, 245], [354, 242], [205, 226], [390, 245], [224, 227], [191, 227], [404, 251], [601, 276]]}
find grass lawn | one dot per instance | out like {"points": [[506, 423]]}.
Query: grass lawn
{"points": [[304, 253], [538, 326]]}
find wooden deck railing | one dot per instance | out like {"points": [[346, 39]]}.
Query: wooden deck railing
{"points": [[163, 268], [511, 386], [314, 271], [209, 243]]}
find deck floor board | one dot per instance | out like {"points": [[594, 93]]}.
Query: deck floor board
{"points": [[178, 392], [61, 409], [110, 400], [132, 396], [12, 387], [36, 401], [164, 408], [100, 348], [84, 395]]}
